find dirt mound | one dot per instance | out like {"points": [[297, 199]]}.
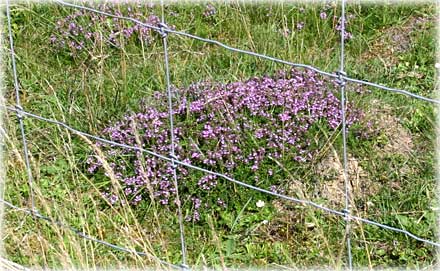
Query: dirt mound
{"points": [[395, 40]]}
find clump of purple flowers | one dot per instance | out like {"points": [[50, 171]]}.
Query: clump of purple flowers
{"points": [[83, 30], [237, 128]]}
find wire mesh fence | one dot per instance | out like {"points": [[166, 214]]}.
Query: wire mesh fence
{"points": [[341, 77]]}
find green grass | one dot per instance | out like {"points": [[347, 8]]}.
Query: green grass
{"points": [[91, 93]]}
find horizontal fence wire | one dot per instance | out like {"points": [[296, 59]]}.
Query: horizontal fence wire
{"points": [[177, 161], [230, 48], [81, 234]]}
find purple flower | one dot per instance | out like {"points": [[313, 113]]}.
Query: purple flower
{"points": [[196, 216], [284, 117], [72, 26], [209, 11], [347, 34], [323, 15], [300, 26], [221, 203], [113, 199], [137, 199], [196, 106], [195, 155], [196, 202]]}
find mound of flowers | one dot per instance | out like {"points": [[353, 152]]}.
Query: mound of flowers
{"points": [[242, 129]]}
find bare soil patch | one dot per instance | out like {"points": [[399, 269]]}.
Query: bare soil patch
{"points": [[395, 40]]}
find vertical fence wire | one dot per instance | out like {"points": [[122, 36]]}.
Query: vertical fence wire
{"points": [[18, 106], [172, 146], [344, 138]]}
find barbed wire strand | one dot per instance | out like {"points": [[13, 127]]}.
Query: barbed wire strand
{"points": [[274, 59], [18, 105], [177, 161], [172, 146], [81, 234], [341, 82]]}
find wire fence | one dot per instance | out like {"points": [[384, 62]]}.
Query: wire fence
{"points": [[164, 31]]}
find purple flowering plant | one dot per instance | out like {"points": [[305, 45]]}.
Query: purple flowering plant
{"points": [[241, 129], [347, 34], [82, 32]]}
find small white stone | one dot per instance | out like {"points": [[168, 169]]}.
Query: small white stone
{"points": [[260, 204], [437, 65], [265, 222]]}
